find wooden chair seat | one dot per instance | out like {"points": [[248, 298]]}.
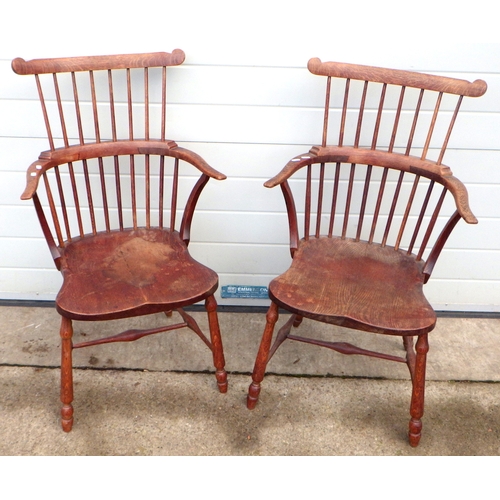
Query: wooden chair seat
{"points": [[124, 273], [356, 284]]}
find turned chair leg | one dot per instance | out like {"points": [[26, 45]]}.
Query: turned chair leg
{"points": [[407, 342], [66, 374], [217, 350], [262, 357], [418, 392]]}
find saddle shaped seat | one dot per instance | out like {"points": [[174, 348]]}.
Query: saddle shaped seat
{"points": [[356, 284], [128, 273]]}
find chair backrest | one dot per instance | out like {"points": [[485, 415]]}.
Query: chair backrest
{"points": [[392, 110], [110, 165], [373, 178], [102, 98]]}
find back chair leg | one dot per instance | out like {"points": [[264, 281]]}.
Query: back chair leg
{"points": [[217, 350], [66, 374], [297, 321], [262, 357], [418, 392], [407, 342]]}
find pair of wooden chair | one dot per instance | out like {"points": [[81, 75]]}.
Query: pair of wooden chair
{"points": [[371, 207]]}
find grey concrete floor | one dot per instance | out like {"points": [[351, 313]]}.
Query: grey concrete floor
{"points": [[157, 396]]}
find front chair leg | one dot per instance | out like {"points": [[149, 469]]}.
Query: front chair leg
{"points": [[66, 374], [262, 357], [417, 397], [217, 350]]}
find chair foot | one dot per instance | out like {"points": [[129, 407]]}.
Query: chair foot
{"points": [[415, 432], [253, 395], [221, 377], [67, 417]]}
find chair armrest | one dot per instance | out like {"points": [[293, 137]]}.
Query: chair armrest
{"points": [[49, 159], [35, 171], [290, 168], [459, 192], [332, 154], [198, 162]]}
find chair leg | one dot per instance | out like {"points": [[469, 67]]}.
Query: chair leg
{"points": [[262, 357], [407, 342], [215, 337], [418, 392], [66, 374], [410, 355], [297, 321]]}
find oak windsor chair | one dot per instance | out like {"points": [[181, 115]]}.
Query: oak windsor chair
{"points": [[370, 207], [107, 195]]}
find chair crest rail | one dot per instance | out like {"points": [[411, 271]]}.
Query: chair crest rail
{"points": [[95, 63], [398, 77]]}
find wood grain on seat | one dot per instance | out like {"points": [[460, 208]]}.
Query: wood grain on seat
{"points": [[365, 286], [122, 273]]}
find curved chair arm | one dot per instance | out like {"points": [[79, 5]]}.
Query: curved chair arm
{"points": [[35, 171], [341, 154], [459, 192], [333, 154], [198, 162], [49, 159], [290, 168]]}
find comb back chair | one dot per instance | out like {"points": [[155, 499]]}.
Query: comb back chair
{"points": [[108, 195], [374, 214]]}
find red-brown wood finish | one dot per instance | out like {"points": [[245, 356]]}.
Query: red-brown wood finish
{"points": [[115, 199], [369, 211]]}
